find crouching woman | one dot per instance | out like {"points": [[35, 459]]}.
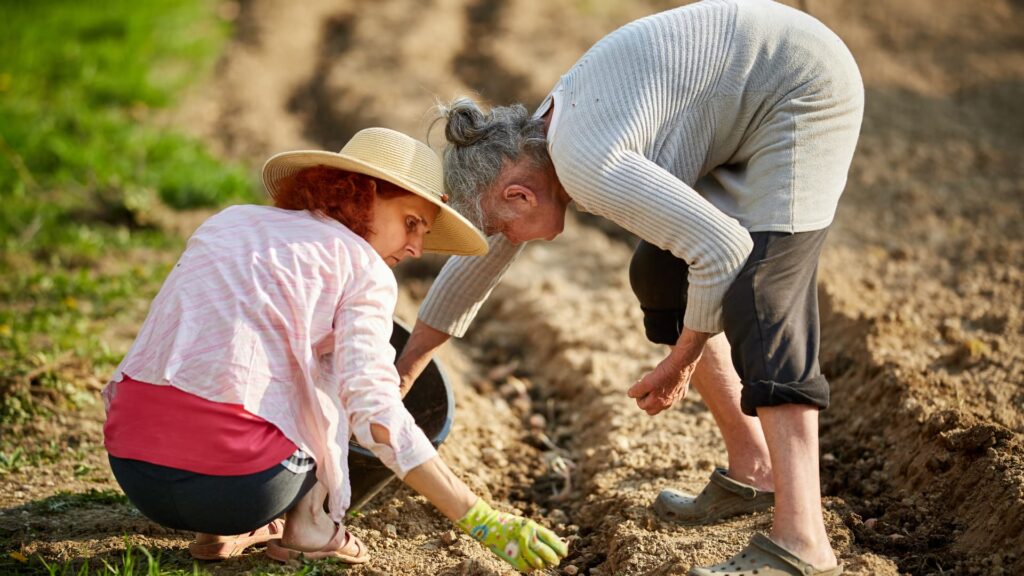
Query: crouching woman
{"points": [[267, 348]]}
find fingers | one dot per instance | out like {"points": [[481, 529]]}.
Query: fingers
{"points": [[532, 559], [556, 544], [640, 388], [544, 548], [653, 404]]}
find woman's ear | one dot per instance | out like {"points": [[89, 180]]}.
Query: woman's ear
{"points": [[519, 195]]}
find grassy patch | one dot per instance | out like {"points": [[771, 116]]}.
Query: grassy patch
{"points": [[82, 164], [64, 500], [140, 561]]}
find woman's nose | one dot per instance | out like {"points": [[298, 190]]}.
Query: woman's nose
{"points": [[415, 246]]}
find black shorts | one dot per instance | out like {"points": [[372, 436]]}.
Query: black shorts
{"points": [[224, 505], [770, 315]]}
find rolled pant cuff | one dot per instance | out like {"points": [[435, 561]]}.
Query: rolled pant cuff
{"points": [[811, 392]]}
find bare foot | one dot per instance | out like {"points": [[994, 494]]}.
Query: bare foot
{"points": [[204, 538], [819, 554], [307, 527]]}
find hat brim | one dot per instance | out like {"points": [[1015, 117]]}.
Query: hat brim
{"points": [[451, 232]]}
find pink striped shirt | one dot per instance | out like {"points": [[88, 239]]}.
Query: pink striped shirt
{"points": [[289, 315]]}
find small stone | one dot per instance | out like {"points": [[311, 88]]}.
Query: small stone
{"points": [[870, 523], [537, 421], [571, 570], [621, 443], [492, 457], [450, 537], [391, 531], [828, 457], [558, 516]]}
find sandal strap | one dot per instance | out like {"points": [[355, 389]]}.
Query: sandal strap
{"points": [[770, 547], [338, 540], [719, 479]]}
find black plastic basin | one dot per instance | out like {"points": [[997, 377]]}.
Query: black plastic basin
{"points": [[430, 402]]}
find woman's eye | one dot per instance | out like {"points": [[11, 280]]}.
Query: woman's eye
{"points": [[410, 224]]}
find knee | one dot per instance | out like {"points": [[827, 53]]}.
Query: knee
{"points": [[658, 280]]}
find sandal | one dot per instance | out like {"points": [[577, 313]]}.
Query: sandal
{"points": [[721, 499], [762, 557], [343, 546], [230, 548]]}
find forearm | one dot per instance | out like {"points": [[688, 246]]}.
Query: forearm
{"points": [[688, 348], [420, 348], [438, 484]]}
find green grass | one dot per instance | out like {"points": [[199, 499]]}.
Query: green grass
{"points": [[140, 561], [83, 161], [135, 561], [64, 500]]}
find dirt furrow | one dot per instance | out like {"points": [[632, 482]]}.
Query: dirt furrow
{"points": [[567, 316]]}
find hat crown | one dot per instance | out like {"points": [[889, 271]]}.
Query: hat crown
{"points": [[400, 155], [400, 160]]}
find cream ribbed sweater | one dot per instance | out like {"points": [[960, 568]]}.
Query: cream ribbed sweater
{"points": [[692, 128]]}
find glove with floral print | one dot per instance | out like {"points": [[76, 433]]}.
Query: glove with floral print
{"points": [[523, 543]]}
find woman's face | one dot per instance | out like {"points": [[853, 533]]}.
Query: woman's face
{"points": [[399, 225]]}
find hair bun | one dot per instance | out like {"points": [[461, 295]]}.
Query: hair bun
{"points": [[465, 124]]}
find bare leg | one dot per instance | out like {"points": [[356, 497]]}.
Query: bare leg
{"points": [[719, 386], [791, 431]]}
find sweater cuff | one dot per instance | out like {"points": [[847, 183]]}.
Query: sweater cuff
{"points": [[447, 316], [704, 308]]}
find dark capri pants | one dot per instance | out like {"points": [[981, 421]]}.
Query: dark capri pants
{"points": [[770, 315]]}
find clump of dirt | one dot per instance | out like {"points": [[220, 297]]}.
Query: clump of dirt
{"points": [[923, 334]]}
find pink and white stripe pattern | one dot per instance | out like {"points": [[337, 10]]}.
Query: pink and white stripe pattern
{"points": [[290, 315]]}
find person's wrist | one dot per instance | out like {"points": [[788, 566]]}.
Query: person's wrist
{"points": [[688, 348], [477, 514]]}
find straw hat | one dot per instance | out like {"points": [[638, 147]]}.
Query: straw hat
{"points": [[401, 160]]}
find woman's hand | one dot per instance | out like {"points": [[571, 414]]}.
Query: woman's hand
{"points": [[668, 383], [523, 543]]}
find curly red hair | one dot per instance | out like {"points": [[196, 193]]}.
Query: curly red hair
{"points": [[339, 194]]}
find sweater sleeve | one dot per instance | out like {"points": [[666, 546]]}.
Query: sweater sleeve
{"points": [[464, 284], [645, 199]]}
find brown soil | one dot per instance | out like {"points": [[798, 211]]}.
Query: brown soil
{"points": [[921, 286]]}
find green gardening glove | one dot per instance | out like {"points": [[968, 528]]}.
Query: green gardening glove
{"points": [[522, 543]]}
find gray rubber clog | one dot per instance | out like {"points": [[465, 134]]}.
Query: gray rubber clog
{"points": [[762, 557], [721, 499]]}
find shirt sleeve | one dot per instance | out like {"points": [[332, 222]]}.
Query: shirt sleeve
{"points": [[637, 194], [369, 382], [464, 284]]}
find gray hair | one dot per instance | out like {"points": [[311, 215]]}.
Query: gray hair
{"points": [[478, 146]]}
